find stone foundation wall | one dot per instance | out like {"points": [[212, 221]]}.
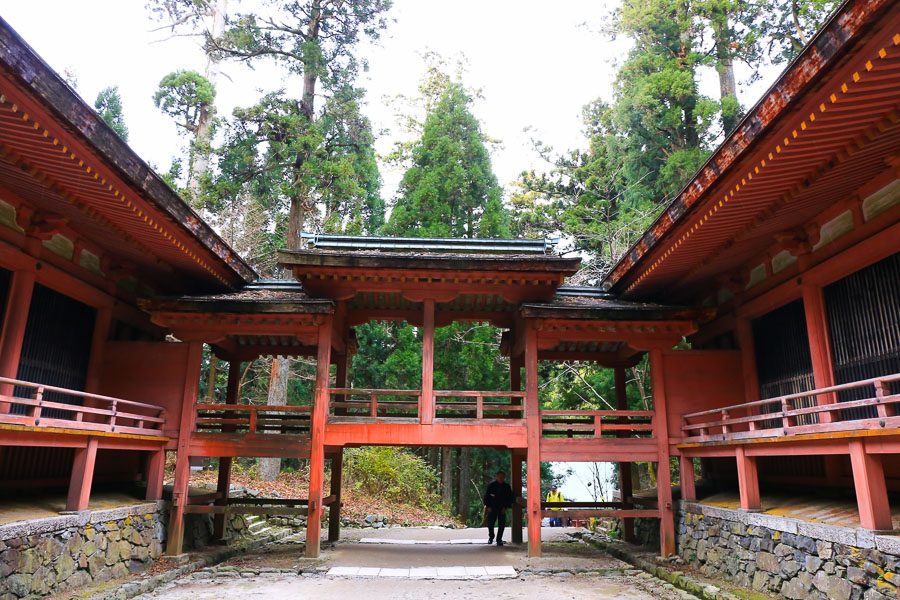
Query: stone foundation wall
{"points": [[793, 558], [68, 552]]}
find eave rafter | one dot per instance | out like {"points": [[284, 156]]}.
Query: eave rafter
{"points": [[416, 286], [636, 335]]}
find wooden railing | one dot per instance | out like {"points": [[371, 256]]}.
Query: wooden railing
{"points": [[596, 423], [103, 413], [783, 416], [254, 419], [374, 403], [479, 405], [211, 504], [585, 510], [448, 404]]}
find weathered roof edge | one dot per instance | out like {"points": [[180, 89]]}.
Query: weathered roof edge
{"points": [[425, 261], [25, 64], [635, 312], [219, 306], [266, 296], [850, 21], [351, 243]]}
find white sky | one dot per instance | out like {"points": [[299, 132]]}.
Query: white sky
{"points": [[537, 64]]}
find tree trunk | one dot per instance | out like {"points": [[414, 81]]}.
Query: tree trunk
{"points": [[198, 162], [465, 483], [434, 458], [691, 137], [211, 380], [725, 69], [447, 475], [278, 387]]}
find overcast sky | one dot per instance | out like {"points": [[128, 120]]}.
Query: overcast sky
{"points": [[537, 64]]}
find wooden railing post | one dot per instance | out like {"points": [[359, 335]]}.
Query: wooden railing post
{"points": [[881, 391], [479, 407], [373, 406], [112, 417], [251, 419], [36, 411], [786, 421], [598, 424]]}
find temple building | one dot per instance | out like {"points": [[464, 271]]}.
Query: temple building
{"points": [[765, 298]]}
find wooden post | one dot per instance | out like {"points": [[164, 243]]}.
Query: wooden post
{"points": [[102, 325], [625, 482], [748, 480], [871, 489], [340, 369], [819, 344], [823, 369], [15, 319], [82, 476], [317, 440], [515, 384], [688, 485], [533, 423], [515, 373], [181, 490], [515, 481], [743, 333], [223, 485], [340, 376], [663, 473], [155, 473], [334, 511], [426, 400]]}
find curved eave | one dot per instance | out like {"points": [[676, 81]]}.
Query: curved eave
{"points": [[734, 163], [74, 152]]}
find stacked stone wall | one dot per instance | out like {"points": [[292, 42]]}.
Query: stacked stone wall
{"points": [[795, 559], [64, 553]]}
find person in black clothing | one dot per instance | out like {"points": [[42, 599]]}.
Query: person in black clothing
{"points": [[497, 499]]}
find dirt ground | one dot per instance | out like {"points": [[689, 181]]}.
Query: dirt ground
{"points": [[568, 570]]}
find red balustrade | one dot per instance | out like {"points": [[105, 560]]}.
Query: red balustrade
{"points": [[791, 415], [94, 413]]}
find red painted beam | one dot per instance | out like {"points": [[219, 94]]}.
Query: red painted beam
{"points": [[413, 434], [599, 450]]}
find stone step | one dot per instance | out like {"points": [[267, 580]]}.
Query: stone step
{"points": [[452, 573], [447, 542]]}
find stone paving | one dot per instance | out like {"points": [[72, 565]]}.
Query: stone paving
{"points": [[454, 573], [437, 565]]}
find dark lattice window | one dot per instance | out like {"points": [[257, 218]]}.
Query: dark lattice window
{"points": [[57, 344], [783, 362], [864, 325]]}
